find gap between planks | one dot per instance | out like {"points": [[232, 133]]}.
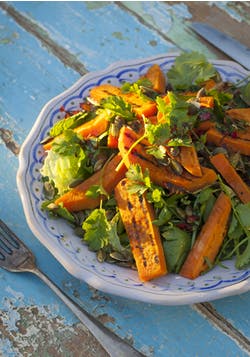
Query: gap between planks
{"points": [[209, 312], [145, 23], [205, 309]]}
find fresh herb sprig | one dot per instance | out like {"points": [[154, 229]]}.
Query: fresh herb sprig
{"points": [[190, 70], [118, 106]]}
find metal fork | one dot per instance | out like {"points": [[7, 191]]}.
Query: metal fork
{"points": [[16, 257]]}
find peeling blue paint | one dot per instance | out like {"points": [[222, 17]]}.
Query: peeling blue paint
{"points": [[30, 76], [14, 300], [233, 9], [6, 348], [170, 20]]}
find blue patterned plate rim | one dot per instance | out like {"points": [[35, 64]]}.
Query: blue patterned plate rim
{"points": [[58, 237]]}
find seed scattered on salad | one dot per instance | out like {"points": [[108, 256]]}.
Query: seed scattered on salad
{"points": [[154, 175]]}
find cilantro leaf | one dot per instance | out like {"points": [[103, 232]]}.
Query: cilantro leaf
{"points": [[157, 134], [68, 144], [96, 227], [176, 122], [118, 106], [178, 111], [137, 87], [140, 182], [158, 152], [189, 70]]}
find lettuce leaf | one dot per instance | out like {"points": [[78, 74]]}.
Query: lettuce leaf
{"points": [[65, 162]]}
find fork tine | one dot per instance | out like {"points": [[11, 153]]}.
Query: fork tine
{"points": [[14, 255], [8, 239], [4, 247]]}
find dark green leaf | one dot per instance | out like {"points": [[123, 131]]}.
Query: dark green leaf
{"points": [[96, 228], [242, 213], [176, 247], [114, 239], [163, 217]]}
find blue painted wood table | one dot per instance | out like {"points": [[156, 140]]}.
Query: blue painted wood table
{"points": [[45, 48]]}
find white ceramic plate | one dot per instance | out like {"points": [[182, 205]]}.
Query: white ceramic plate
{"points": [[59, 238]]}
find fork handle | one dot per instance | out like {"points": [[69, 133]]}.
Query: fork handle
{"points": [[112, 343]]}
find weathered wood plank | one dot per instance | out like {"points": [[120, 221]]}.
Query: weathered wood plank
{"points": [[27, 71], [236, 311], [233, 17], [98, 34], [30, 77], [61, 52], [170, 21], [217, 319]]}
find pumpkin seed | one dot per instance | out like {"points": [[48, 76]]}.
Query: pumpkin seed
{"points": [[149, 92], [49, 190], [117, 125], [101, 255], [176, 167], [114, 131], [52, 206], [192, 109], [181, 213], [75, 182], [118, 256], [45, 140], [200, 93], [188, 211], [92, 101], [220, 150], [165, 162], [98, 164], [79, 217], [110, 260], [124, 264], [136, 125]]}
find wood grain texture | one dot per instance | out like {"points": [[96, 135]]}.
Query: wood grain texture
{"points": [[33, 70], [170, 21], [40, 33], [98, 34], [231, 17], [209, 312]]}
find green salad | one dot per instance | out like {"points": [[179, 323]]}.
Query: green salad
{"points": [[154, 175]]}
